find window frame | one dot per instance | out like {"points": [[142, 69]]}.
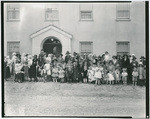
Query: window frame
{"points": [[80, 44], [8, 46], [122, 42], [123, 18], [91, 11], [12, 10], [53, 9]]}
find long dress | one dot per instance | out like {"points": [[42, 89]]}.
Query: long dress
{"points": [[75, 72], [7, 71], [69, 72], [32, 69]]}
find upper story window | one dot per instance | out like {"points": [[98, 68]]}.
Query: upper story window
{"points": [[51, 14], [86, 12], [13, 12], [123, 11], [86, 15]]}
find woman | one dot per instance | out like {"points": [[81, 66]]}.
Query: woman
{"points": [[69, 70], [32, 69]]}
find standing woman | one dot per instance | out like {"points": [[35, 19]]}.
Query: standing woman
{"points": [[69, 70], [126, 64], [8, 67], [32, 68]]}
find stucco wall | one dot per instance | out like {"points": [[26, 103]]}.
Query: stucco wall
{"points": [[104, 30]]}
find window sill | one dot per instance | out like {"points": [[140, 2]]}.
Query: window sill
{"points": [[90, 20], [17, 20], [123, 19], [51, 20]]}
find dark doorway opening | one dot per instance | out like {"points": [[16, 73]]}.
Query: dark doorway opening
{"points": [[52, 45]]}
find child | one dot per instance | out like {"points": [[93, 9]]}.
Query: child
{"points": [[141, 74], [18, 72], [61, 75], [98, 75], [117, 75], [90, 74], [47, 70], [134, 76], [55, 71], [124, 75], [110, 77]]}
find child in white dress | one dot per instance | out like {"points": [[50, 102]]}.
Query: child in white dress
{"points": [[90, 74], [98, 75], [47, 71], [110, 78]]}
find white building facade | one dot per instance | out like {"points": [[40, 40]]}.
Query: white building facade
{"points": [[118, 28]]}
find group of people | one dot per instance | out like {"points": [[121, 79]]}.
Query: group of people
{"points": [[86, 68]]}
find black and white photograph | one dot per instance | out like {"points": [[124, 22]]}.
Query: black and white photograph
{"points": [[74, 59]]}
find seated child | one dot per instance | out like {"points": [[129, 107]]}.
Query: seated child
{"points": [[135, 76], [124, 75]]}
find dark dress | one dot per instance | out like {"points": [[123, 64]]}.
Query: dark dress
{"points": [[6, 71], [32, 69], [75, 73], [67, 58], [80, 72]]}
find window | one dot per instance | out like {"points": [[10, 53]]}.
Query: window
{"points": [[86, 15], [123, 11], [51, 14], [86, 12], [13, 12], [123, 48], [86, 47], [13, 47]]}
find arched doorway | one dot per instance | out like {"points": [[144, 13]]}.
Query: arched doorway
{"points": [[52, 45]]}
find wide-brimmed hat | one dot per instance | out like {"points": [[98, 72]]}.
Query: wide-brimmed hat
{"points": [[142, 57], [67, 52]]}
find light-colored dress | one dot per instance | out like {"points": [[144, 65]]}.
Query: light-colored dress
{"points": [[135, 75], [117, 75], [98, 73], [61, 73], [55, 72], [110, 77], [91, 75], [47, 69]]}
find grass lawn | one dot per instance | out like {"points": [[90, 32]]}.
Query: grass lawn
{"points": [[57, 99]]}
